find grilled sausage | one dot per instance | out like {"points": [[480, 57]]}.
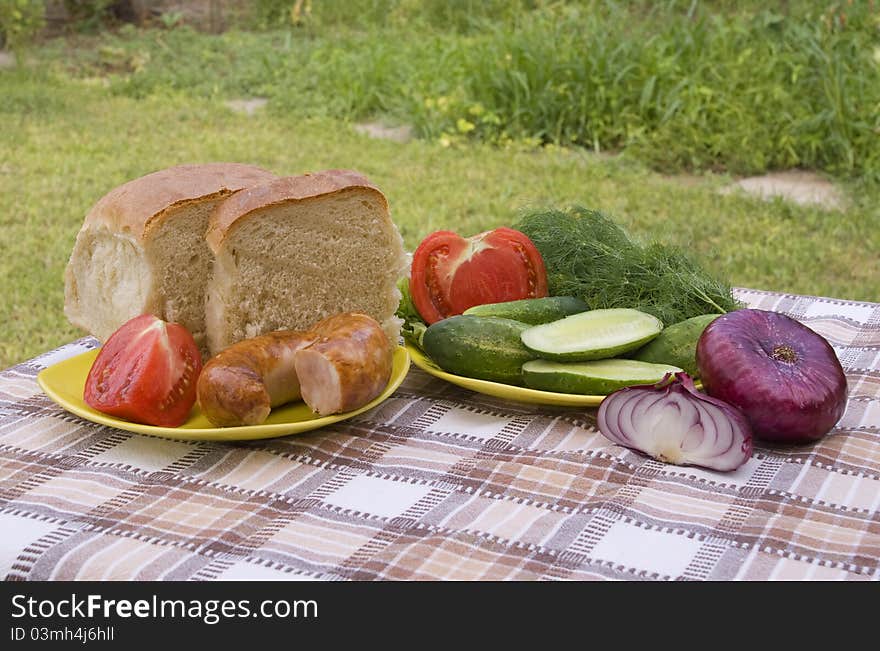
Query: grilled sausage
{"points": [[348, 364], [241, 384], [341, 364]]}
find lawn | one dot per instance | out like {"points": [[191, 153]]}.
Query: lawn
{"points": [[86, 114]]}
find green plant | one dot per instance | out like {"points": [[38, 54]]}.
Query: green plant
{"points": [[463, 16], [171, 19], [680, 85], [590, 256], [20, 22], [742, 93], [267, 14], [87, 15]]}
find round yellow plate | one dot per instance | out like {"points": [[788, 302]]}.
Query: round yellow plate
{"points": [[64, 382], [499, 390]]}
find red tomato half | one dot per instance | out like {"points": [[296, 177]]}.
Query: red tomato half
{"points": [[146, 372], [450, 273]]}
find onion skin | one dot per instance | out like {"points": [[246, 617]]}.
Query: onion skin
{"points": [[674, 423], [785, 377]]}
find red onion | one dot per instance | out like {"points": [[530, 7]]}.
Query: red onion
{"points": [[673, 422], [784, 377]]}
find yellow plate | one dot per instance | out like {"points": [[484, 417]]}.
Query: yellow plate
{"points": [[63, 383], [508, 391], [499, 390]]}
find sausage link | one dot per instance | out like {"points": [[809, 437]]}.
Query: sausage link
{"points": [[341, 364], [347, 366], [241, 384]]}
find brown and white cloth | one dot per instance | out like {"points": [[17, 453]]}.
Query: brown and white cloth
{"points": [[440, 483]]}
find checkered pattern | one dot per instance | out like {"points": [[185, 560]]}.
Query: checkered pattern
{"points": [[440, 483]]}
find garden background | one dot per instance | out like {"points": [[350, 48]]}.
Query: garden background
{"points": [[464, 113]]}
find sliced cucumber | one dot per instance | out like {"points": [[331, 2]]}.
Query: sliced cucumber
{"points": [[533, 311], [596, 378], [597, 334]]}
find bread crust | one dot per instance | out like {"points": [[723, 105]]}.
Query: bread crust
{"points": [[287, 189], [137, 206], [131, 213]]}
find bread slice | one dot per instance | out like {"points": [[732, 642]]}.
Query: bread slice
{"points": [[293, 251], [142, 248]]}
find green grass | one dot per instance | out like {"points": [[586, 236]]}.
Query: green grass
{"points": [[91, 112], [65, 144], [682, 85]]}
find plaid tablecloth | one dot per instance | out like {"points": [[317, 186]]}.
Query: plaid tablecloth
{"points": [[440, 483]]}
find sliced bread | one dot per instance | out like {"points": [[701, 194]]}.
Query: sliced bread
{"points": [[142, 249], [295, 250]]}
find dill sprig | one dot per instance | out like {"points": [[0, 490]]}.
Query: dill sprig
{"points": [[589, 256]]}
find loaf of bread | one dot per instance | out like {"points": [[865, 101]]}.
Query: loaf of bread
{"points": [[142, 249], [294, 250]]}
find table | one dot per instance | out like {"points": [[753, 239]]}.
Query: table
{"points": [[440, 483]]}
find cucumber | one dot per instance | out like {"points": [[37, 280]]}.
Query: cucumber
{"points": [[486, 348], [597, 334], [600, 377], [677, 344], [534, 311]]}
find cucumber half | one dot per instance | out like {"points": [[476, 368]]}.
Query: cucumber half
{"points": [[592, 378], [534, 311], [597, 334]]}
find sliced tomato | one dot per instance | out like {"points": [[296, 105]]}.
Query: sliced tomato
{"points": [[146, 372], [450, 273]]}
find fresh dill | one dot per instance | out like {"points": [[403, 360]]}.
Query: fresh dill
{"points": [[589, 256]]}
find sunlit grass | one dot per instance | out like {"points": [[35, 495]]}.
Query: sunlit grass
{"points": [[681, 85], [63, 144]]}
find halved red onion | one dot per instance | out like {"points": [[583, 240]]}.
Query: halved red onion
{"points": [[674, 423]]}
